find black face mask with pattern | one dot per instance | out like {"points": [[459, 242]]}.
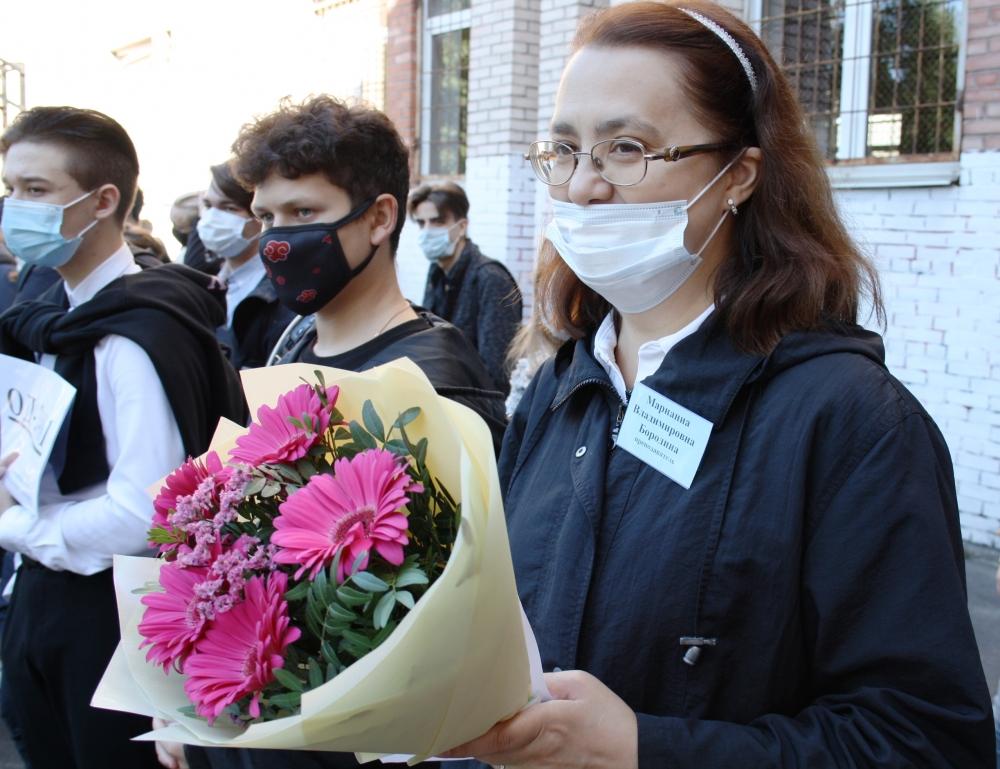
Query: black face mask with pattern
{"points": [[306, 262]]}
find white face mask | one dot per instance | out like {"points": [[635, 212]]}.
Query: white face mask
{"points": [[633, 255], [222, 233]]}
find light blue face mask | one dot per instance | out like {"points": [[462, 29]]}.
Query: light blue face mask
{"points": [[33, 231], [435, 242]]}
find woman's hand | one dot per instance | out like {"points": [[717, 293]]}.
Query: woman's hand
{"points": [[586, 725], [169, 754]]}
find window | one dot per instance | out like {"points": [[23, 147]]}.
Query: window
{"points": [[445, 92], [878, 79], [11, 91]]}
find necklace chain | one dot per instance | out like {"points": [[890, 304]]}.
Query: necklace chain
{"points": [[392, 318]]}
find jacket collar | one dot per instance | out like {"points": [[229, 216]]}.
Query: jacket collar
{"points": [[703, 372], [470, 253]]}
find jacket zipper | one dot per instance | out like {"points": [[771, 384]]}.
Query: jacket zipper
{"points": [[619, 418]]}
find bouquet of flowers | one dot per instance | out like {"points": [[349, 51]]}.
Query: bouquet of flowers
{"points": [[341, 581]]}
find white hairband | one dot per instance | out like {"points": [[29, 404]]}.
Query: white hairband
{"points": [[730, 41]]}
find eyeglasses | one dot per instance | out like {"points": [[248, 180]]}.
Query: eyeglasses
{"points": [[621, 162]]}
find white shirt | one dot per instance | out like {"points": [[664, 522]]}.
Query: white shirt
{"points": [[80, 532], [651, 354], [240, 283]]}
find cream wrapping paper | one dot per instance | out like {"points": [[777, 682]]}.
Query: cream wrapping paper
{"points": [[457, 663]]}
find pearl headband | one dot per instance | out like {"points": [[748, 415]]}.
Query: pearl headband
{"points": [[728, 39]]}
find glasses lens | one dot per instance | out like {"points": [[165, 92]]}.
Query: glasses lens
{"points": [[620, 161], [552, 162]]}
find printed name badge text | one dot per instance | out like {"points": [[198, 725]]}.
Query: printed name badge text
{"points": [[664, 435]]}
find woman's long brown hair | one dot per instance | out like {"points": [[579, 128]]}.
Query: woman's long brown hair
{"points": [[795, 266]]}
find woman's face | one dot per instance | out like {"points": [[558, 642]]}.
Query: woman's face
{"points": [[636, 93]]}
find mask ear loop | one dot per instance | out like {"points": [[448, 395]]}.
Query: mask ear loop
{"points": [[715, 178]]}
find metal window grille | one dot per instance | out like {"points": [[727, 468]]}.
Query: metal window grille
{"points": [[11, 91], [876, 78], [445, 91]]}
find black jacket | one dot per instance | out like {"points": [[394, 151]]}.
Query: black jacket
{"points": [[258, 323], [479, 296], [441, 352], [818, 548], [169, 311]]}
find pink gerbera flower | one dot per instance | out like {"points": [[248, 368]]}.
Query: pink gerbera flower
{"points": [[273, 438], [171, 624], [357, 508], [241, 648], [184, 481]]}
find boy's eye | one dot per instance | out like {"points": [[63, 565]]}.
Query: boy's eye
{"points": [[303, 212]]}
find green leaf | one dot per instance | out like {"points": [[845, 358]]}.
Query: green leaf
{"points": [[411, 576], [288, 473], [354, 638], [288, 680], [397, 447], [343, 434], [189, 711], [368, 581], [297, 423], [373, 422], [306, 469], [163, 536], [329, 655], [332, 671], [298, 592], [255, 486], [421, 453], [352, 597], [320, 378], [359, 559], [315, 674], [286, 701], [270, 489], [383, 609], [319, 584], [361, 436], [383, 634], [340, 613], [404, 597], [407, 416]]}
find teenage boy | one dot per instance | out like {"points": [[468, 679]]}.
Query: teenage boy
{"points": [[151, 384], [254, 316], [465, 287], [330, 184]]}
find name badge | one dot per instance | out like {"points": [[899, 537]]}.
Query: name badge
{"points": [[664, 435]]}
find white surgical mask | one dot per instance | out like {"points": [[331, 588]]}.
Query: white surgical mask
{"points": [[633, 255], [222, 233], [435, 242]]}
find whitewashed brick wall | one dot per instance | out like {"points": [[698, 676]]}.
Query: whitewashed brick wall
{"points": [[938, 254]]}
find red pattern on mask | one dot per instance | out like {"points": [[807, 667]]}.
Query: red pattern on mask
{"points": [[277, 250]]}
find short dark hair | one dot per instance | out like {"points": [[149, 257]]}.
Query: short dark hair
{"points": [[228, 185], [447, 197], [356, 147], [137, 205], [100, 151]]}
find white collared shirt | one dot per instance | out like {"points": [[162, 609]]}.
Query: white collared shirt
{"points": [[81, 531], [240, 283], [651, 354]]}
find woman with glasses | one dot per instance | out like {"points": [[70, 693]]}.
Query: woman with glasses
{"points": [[734, 532]]}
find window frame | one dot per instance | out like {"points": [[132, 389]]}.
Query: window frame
{"points": [[852, 168], [431, 26]]}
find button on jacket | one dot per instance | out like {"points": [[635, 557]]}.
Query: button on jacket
{"points": [[815, 564]]}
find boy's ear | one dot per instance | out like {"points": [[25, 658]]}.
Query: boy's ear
{"points": [[384, 213]]}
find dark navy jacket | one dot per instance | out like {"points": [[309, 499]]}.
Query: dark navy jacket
{"points": [[258, 322], [818, 548], [481, 298]]}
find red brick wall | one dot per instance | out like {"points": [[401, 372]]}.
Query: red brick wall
{"points": [[981, 121], [402, 73]]}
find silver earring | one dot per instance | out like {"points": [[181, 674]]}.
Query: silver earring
{"points": [[732, 206]]}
